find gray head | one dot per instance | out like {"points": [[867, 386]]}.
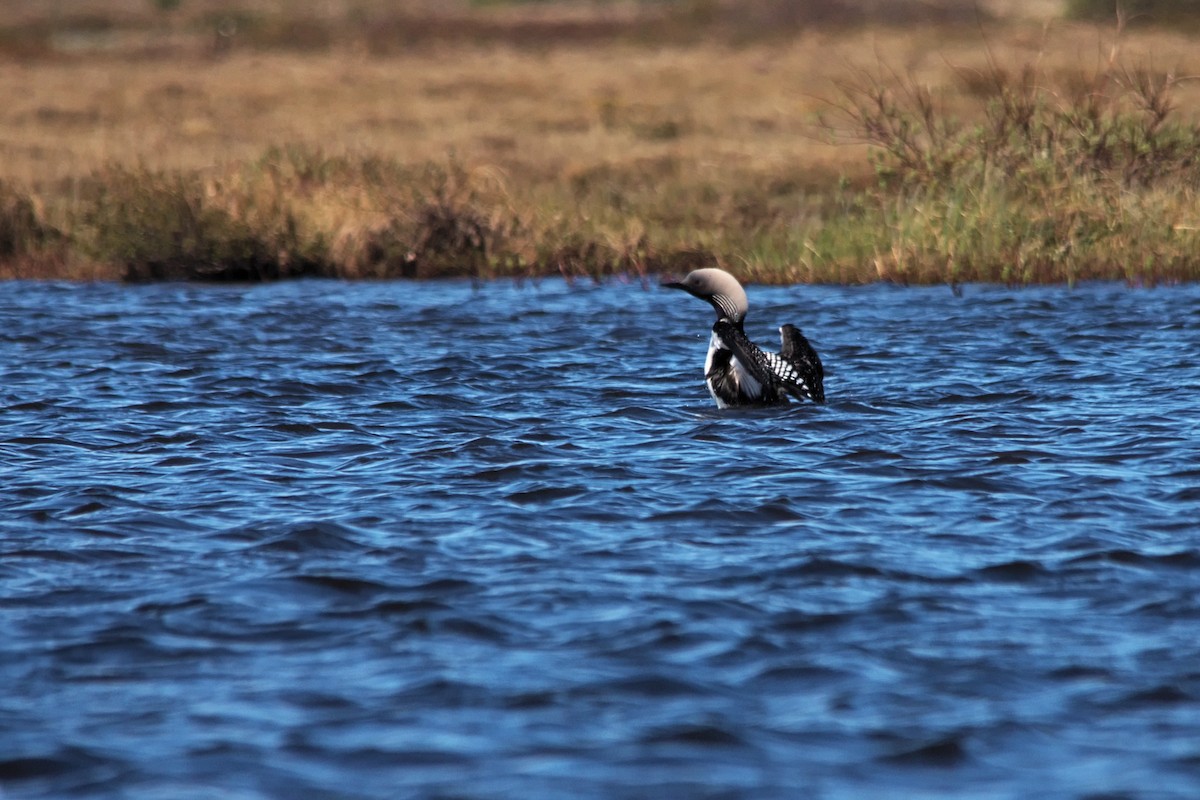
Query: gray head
{"points": [[719, 288]]}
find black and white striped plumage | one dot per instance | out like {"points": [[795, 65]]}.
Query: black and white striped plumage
{"points": [[737, 371]]}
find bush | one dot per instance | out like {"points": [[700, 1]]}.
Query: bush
{"points": [[168, 226], [1155, 12], [21, 232], [1055, 184]]}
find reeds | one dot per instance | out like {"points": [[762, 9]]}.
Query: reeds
{"points": [[1101, 185], [296, 212]]}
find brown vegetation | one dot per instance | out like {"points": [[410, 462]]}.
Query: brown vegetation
{"points": [[379, 139]]}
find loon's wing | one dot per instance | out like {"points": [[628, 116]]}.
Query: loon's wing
{"points": [[753, 360], [798, 366]]}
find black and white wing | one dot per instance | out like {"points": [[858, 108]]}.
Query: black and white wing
{"points": [[798, 366]]}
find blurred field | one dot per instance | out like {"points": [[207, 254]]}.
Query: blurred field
{"points": [[373, 139]]}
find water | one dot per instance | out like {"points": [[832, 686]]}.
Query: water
{"points": [[433, 540]]}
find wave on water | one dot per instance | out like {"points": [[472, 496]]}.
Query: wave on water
{"points": [[430, 540]]}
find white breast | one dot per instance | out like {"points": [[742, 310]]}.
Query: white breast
{"points": [[746, 384], [714, 344]]}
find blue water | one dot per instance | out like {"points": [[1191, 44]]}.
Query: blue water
{"points": [[393, 540]]}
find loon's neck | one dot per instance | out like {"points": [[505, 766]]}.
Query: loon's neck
{"points": [[737, 323]]}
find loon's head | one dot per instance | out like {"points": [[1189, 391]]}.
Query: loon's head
{"points": [[719, 288]]}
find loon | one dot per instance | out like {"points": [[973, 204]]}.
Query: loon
{"points": [[737, 372]]}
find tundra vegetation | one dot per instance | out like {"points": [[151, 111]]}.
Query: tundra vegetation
{"points": [[1011, 141]]}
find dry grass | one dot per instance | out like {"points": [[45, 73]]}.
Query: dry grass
{"points": [[374, 140]]}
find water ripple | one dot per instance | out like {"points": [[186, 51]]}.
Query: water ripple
{"points": [[378, 540]]}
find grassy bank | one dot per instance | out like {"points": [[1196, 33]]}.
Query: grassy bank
{"points": [[589, 140]]}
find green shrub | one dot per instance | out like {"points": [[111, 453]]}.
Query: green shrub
{"points": [[1052, 186], [1137, 12]]}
